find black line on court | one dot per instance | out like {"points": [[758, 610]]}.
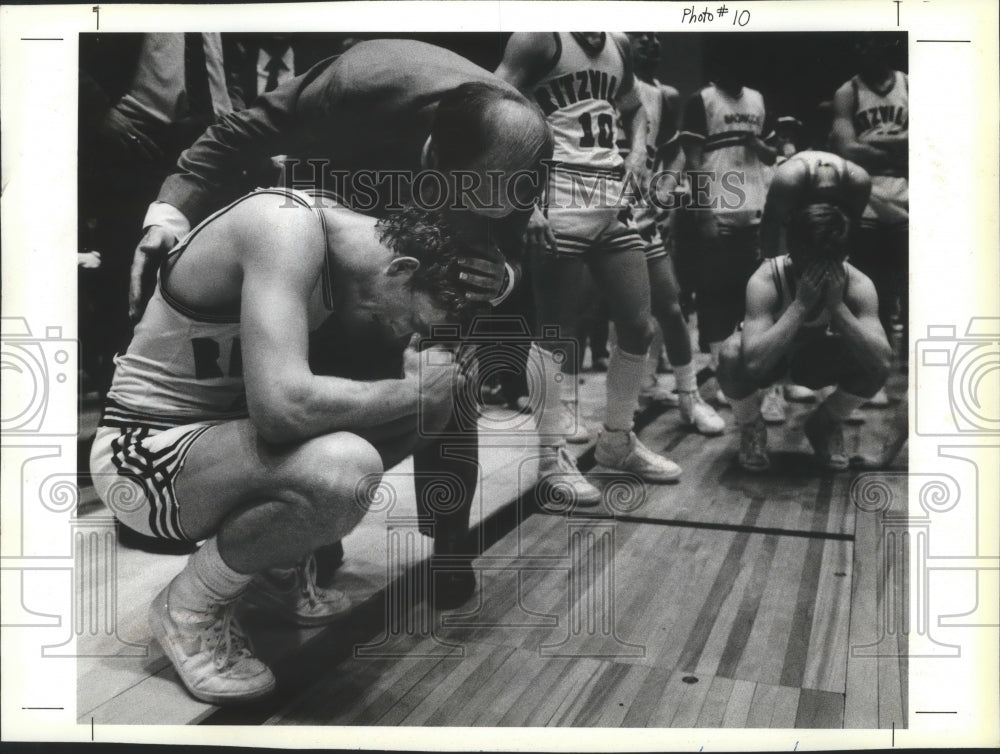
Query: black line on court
{"points": [[741, 528], [935, 712], [41, 39], [43, 708], [966, 41]]}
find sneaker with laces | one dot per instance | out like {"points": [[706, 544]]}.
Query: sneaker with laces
{"points": [[772, 408], [292, 595], [622, 450], [753, 446], [653, 394], [573, 429], [560, 483], [826, 435], [799, 393], [698, 414], [210, 651]]}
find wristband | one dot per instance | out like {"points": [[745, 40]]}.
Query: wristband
{"points": [[506, 287]]}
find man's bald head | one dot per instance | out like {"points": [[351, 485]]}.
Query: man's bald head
{"points": [[481, 125]]}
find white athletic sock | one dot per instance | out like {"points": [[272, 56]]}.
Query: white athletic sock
{"points": [[746, 410], [714, 349], [206, 579], [625, 373], [549, 403], [685, 377], [840, 404]]}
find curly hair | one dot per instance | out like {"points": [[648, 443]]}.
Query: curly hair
{"points": [[818, 231], [427, 237]]}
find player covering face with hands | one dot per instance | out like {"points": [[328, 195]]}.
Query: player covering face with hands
{"points": [[811, 315]]}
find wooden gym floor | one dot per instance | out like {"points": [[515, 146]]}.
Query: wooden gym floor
{"points": [[726, 600]]}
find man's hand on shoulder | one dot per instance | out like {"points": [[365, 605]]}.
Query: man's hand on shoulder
{"points": [[155, 244]]}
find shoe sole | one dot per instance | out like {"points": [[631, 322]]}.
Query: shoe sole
{"points": [[658, 480], [159, 625]]}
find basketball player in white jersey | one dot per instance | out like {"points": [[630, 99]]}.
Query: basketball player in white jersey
{"points": [[724, 132], [871, 128], [813, 316], [584, 82], [664, 159], [218, 424]]}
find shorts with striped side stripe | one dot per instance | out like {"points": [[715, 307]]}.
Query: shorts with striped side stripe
{"points": [[134, 470], [586, 216]]}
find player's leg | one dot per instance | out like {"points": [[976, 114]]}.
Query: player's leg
{"points": [[744, 393], [665, 296], [620, 270], [557, 279], [714, 288], [259, 507], [829, 361]]}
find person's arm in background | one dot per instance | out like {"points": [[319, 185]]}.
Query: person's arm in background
{"points": [[527, 57], [844, 139], [760, 145], [694, 131], [633, 115], [209, 174]]}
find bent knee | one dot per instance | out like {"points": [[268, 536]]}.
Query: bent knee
{"points": [[731, 355], [635, 336], [333, 468]]}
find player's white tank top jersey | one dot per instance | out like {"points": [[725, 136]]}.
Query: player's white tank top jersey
{"points": [[578, 97], [184, 366], [883, 113], [736, 166]]}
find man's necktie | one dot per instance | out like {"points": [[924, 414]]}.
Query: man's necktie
{"points": [[273, 67], [196, 78]]}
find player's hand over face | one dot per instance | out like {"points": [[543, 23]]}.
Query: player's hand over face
{"points": [[811, 285], [539, 236], [833, 293], [482, 276], [152, 248]]}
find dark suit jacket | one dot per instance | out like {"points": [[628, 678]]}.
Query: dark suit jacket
{"points": [[242, 51], [369, 109]]}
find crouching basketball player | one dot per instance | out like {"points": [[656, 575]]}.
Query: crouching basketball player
{"points": [[813, 316], [215, 415]]}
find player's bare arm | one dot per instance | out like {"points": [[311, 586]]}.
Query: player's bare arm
{"points": [[854, 315], [845, 139], [286, 401], [767, 340], [526, 59]]}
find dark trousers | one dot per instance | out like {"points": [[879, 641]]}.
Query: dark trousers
{"points": [[725, 265], [882, 253]]}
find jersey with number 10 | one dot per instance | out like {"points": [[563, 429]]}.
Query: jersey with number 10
{"points": [[578, 97]]}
